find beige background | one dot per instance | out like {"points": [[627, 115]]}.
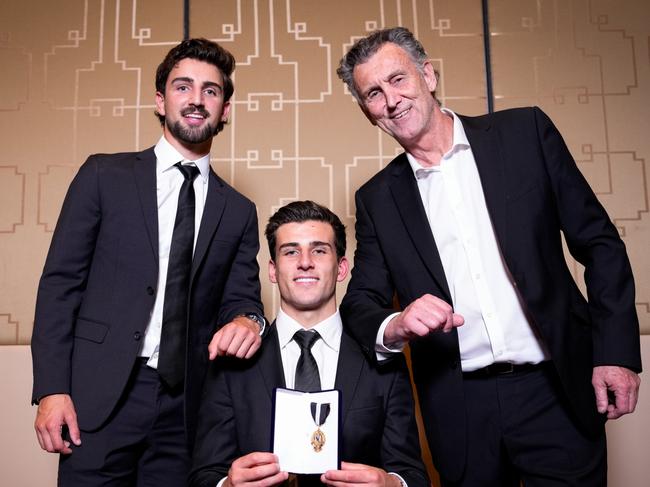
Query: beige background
{"points": [[78, 78]]}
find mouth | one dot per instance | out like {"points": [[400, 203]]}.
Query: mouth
{"points": [[401, 114], [306, 279], [194, 115]]}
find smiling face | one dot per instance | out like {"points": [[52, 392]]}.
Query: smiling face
{"points": [[396, 95], [306, 270], [193, 104]]}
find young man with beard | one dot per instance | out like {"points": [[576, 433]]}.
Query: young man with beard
{"points": [[151, 273], [379, 441], [516, 372]]}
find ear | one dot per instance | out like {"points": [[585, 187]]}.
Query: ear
{"points": [[225, 113], [344, 268], [160, 103], [272, 272], [430, 76]]}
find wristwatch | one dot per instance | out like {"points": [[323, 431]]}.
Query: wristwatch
{"points": [[257, 319]]}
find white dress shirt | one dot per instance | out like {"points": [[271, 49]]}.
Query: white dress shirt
{"points": [[168, 184], [482, 289], [325, 350]]}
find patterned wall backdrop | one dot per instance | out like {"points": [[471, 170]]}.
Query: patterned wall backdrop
{"points": [[78, 78]]}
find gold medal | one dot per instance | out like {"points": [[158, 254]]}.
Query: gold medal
{"points": [[317, 440], [319, 413]]}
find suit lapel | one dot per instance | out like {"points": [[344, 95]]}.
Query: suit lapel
{"points": [[348, 372], [215, 203], [270, 362], [144, 170], [409, 204], [491, 169]]}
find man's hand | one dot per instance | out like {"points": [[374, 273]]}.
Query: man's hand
{"points": [[260, 468], [357, 474], [53, 412], [620, 382], [239, 338], [424, 315]]}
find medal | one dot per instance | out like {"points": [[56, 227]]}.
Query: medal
{"points": [[320, 411]]}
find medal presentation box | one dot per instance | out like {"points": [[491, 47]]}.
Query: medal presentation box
{"points": [[306, 430]]}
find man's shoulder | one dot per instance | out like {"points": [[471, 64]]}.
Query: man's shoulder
{"points": [[120, 157], [380, 180], [506, 116], [233, 194], [118, 160]]}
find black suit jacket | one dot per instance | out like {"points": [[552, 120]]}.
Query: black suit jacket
{"points": [[534, 193], [99, 283], [378, 422]]}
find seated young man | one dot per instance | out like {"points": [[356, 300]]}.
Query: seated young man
{"points": [[379, 446]]}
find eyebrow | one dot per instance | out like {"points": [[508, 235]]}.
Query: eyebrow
{"points": [[396, 72], [187, 79], [314, 243]]}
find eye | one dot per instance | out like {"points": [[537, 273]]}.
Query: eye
{"points": [[290, 252], [397, 79], [211, 92], [182, 88]]}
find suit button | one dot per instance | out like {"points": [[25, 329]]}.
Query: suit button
{"points": [[150, 291], [137, 336]]}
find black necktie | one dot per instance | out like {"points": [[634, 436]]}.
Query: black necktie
{"points": [[307, 378], [171, 358]]}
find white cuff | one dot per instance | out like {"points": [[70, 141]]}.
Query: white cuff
{"points": [[399, 477], [381, 350]]}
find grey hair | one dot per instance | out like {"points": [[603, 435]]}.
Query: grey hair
{"points": [[365, 48]]}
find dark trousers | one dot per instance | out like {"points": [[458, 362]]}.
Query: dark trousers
{"points": [[142, 444], [520, 430]]}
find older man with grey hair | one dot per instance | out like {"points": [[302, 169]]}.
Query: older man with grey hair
{"points": [[516, 371]]}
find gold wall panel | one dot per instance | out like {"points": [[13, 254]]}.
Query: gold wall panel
{"points": [[586, 63], [81, 81], [79, 78]]}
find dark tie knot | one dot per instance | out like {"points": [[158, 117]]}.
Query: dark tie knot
{"points": [[305, 339], [189, 172]]}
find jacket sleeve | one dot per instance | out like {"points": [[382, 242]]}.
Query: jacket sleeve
{"points": [[242, 289], [369, 297], [215, 447], [593, 240], [400, 445], [63, 281]]}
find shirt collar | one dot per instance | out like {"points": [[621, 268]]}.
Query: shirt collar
{"points": [[460, 142], [329, 329], [167, 156]]}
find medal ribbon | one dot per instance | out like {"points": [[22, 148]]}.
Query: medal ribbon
{"points": [[323, 413]]}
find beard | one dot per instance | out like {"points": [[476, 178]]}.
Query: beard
{"points": [[192, 135]]}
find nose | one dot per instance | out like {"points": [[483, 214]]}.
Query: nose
{"points": [[305, 261], [196, 97], [392, 98]]}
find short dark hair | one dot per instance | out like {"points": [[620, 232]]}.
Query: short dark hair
{"points": [[201, 50], [302, 211], [365, 48]]}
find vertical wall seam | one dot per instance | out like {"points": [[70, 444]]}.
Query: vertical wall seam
{"points": [[186, 19], [487, 56]]}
